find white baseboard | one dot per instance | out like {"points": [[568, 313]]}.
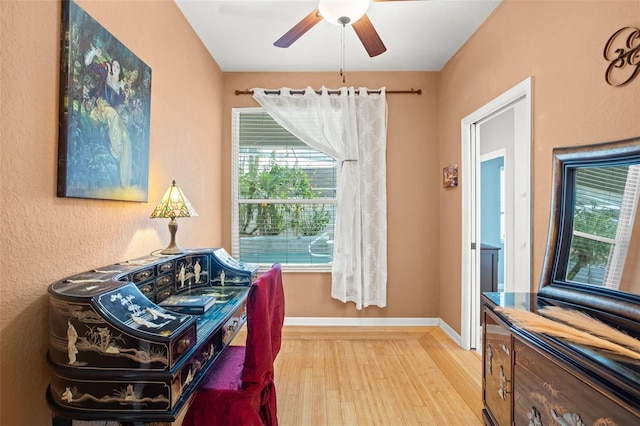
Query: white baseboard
{"points": [[451, 332], [374, 322], [345, 321]]}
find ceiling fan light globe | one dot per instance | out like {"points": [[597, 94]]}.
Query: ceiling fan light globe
{"points": [[343, 12]]}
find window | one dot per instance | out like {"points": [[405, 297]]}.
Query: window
{"points": [[283, 196], [605, 204]]}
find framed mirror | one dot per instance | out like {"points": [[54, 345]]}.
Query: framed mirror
{"points": [[592, 257]]}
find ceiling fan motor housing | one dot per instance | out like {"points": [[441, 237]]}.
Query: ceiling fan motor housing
{"points": [[342, 12]]}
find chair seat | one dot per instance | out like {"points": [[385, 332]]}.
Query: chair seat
{"points": [[227, 372]]}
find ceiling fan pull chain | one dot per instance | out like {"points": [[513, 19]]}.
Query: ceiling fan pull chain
{"points": [[342, 55]]}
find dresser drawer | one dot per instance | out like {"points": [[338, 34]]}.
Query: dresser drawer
{"points": [[497, 371], [142, 275], [164, 280], [165, 267], [163, 293], [548, 393], [147, 289], [234, 323]]}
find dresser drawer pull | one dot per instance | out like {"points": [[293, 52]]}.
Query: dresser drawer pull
{"points": [[504, 385], [142, 275], [166, 267], [164, 281], [182, 345]]}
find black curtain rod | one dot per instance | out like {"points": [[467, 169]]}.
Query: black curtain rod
{"points": [[331, 92]]}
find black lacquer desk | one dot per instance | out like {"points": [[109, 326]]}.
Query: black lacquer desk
{"points": [[115, 354]]}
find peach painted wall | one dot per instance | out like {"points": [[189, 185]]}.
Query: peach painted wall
{"points": [[413, 182], [45, 238], [559, 44]]}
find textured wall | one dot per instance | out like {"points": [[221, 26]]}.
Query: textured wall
{"points": [[559, 44], [45, 238]]}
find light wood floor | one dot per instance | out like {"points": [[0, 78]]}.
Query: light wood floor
{"points": [[376, 376]]}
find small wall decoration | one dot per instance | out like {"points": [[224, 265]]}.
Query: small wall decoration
{"points": [[105, 98], [450, 176], [623, 53]]}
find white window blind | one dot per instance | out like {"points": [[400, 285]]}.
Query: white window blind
{"points": [[605, 205], [628, 209], [284, 195]]}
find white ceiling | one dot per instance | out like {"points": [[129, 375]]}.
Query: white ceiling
{"points": [[420, 35]]}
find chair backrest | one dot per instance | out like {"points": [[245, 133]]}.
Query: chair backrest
{"points": [[265, 317]]}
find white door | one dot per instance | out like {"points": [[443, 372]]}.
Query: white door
{"points": [[503, 125]]}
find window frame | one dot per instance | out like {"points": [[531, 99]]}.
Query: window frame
{"points": [[235, 199]]}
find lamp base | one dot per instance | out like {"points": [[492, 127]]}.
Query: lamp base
{"points": [[173, 248]]}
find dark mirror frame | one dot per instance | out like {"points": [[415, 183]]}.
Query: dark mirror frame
{"points": [[553, 285]]}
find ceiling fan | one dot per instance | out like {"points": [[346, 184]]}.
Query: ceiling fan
{"points": [[343, 13]]}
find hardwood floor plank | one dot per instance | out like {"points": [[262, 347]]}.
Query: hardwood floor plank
{"points": [[349, 416], [374, 398], [334, 407], [307, 404]]}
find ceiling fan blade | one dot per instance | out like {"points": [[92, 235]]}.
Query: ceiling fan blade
{"points": [[369, 36], [299, 29]]}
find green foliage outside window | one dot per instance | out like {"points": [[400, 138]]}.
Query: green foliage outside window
{"points": [[593, 220], [278, 182]]}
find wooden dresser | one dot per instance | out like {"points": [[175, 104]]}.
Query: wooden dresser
{"points": [[569, 354], [532, 379]]}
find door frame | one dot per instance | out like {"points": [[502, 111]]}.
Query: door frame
{"points": [[470, 274]]}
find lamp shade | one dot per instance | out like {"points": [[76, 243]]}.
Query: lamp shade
{"points": [[343, 12], [173, 204]]}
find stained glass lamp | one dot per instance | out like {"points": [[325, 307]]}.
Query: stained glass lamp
{"points": [[172, 205]]}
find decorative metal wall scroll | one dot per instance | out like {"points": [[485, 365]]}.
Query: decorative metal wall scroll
{"points": [[623, 53]]}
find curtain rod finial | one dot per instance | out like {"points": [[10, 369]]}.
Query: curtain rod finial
{"points": [[244, 92]]}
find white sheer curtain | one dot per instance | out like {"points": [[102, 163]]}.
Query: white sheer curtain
{"points": [[352, 129]]}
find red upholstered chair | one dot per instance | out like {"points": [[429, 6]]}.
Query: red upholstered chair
{"points": [[239, 389]]}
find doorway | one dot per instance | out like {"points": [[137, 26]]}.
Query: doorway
{"points": [[501, 128], [493, 221]]}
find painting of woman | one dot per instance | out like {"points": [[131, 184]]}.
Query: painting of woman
{"points": [[105, 91]]}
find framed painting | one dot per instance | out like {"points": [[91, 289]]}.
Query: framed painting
{"points": [[450, 176], [105, 102]]}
